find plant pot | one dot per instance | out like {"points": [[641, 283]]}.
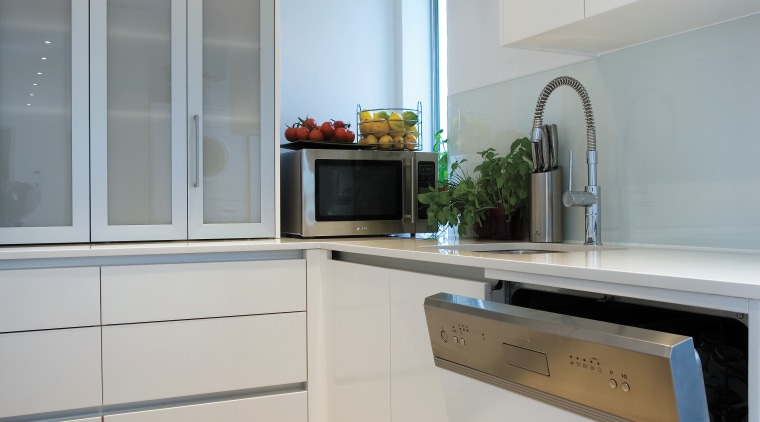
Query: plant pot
{"points": [[495, 226]]}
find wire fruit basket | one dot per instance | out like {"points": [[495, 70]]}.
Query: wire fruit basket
{"points": [[390, 128]]}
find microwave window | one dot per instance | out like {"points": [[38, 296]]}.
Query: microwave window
{"points": [[353, 190]]}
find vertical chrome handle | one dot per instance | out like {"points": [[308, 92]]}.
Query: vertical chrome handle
{"points": [[570, 173], [410, 183], [196, 118]]}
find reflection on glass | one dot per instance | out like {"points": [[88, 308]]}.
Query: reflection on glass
{"points": [[139, 110], [231, 111], [35, 113]]}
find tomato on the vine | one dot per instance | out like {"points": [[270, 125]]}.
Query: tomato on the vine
{"points": [[303, 133], [291, 134], [341, 134], [327, 130], [316, 135]]}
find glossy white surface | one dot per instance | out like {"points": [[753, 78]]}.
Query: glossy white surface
{"points": [[724, 272], [41, 299], [290, 407], [664, 113], [48, 371], [164, 292], [180, 358], [469, 400]]}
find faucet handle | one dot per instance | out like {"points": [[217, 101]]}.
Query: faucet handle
{"points": [[576, 199], [570, 173]]}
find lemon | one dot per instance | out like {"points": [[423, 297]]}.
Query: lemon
{"points": [[370, 140], [410, 141], [398, 142], [365, 115], [365, 127], [380, 128], [385, 142], [396, 125], [381, 115]]}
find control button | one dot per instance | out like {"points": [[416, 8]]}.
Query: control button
{"points": [[613, 384], [456, 339], [626, 387], [461, 341], [444, 336]]}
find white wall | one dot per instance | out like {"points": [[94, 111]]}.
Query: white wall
{"points": [[674, 122], [337, 55]]}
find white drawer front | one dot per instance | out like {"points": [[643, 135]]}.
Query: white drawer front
{"points": [[49, 298], [46, 371], [181, 358], [143, 293], [290, 407]]}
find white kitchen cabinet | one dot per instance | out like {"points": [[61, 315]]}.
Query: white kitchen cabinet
{"points": [[48, 371], [44, 139], [182, 119], [594, 27], [42, 299], [183, 358], [358, 323], [380, 365], [416, 394], [162, 292], [288, 407]]}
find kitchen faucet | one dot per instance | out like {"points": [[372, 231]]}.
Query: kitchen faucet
{"points": [[590, 198]]}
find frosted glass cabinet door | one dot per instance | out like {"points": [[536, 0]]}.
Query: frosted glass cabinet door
{"points": [[231, 103], [139, 163], [44, 174]]}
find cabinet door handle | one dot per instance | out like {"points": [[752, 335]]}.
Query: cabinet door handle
{"points": [[196, 118]]}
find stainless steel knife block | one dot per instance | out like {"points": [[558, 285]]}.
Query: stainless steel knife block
{"points": [[546, 206]]}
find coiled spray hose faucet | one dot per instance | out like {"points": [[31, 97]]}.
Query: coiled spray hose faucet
{"points": [[590, 198]]}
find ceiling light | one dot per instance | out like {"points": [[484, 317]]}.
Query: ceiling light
{"points": [[43, 58], [32, 94], [35, 84], [48, 42], [39, 73]]}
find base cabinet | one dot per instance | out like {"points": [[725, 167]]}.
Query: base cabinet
{"points": [[49, 371], [379, 363], [289, 407], [162, 360]]}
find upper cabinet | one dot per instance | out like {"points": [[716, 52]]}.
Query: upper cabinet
{"points": [[137, 120], [183, 129], [594, 27], [44, 122]]}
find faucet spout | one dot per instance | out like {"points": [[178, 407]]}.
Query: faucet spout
{"points": [[591, 197]]}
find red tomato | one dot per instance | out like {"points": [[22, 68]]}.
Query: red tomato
{"points": [[350, 136], [316, 135], [327, 130], [291, 134], [338, 123], [341, 135], [303, 133], [310, 123]]}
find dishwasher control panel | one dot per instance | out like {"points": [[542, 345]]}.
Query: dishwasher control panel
{"points": [[614, 371]]}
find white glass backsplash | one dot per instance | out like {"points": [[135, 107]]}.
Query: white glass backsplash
{"points": [[676, 136]]}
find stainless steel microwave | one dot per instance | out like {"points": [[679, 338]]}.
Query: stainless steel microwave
{"points": [[341, 192]]}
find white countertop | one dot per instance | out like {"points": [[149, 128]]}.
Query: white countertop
{"points": [[730, 273]]}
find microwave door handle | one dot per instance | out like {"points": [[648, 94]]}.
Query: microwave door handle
{"points": [[410, 188]]}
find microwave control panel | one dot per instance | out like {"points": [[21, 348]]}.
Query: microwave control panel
{"points": [[426, 177]]}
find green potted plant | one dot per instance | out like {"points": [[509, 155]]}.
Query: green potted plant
{"points": [[493, 201]]}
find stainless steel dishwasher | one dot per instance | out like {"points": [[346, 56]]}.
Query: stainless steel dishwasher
{"points": [[578, 356]]}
